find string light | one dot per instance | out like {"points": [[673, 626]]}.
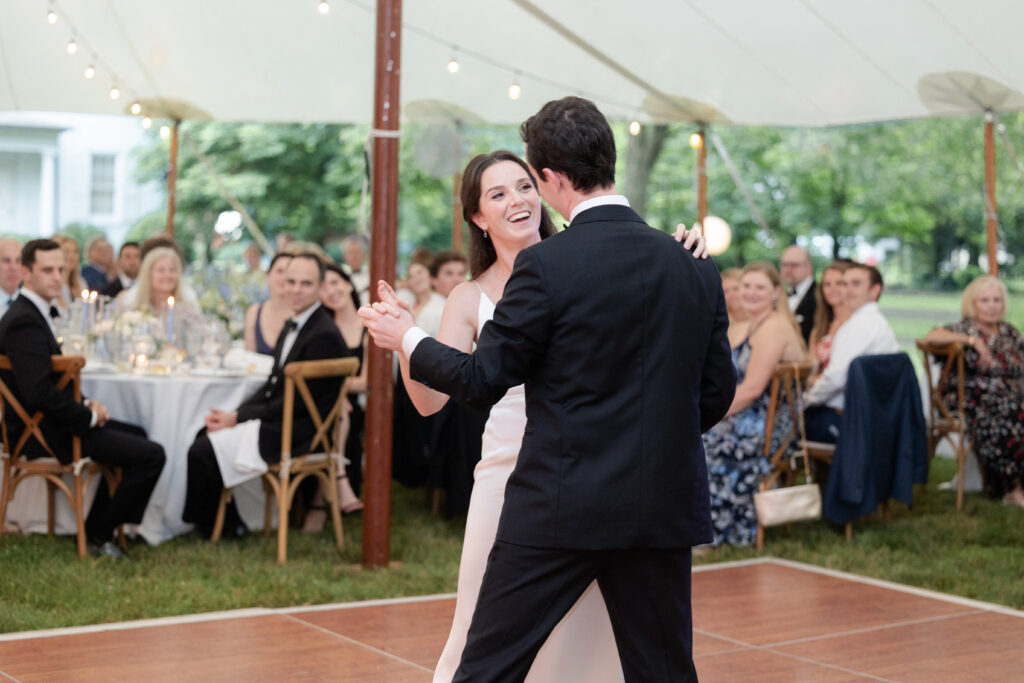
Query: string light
{"points": [[324, 7], [696, 140], [514, 91], [147, 122], [72, 47], [634, 127], [453, 66], [51, 17], [115, 92], [165, 132], [136, 108], [89, 72]]}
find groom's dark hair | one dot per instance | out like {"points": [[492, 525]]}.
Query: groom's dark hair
{"points": [[573, 137]]}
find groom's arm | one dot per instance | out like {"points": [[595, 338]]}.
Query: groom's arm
{"points": [[507, 347], [718, 378]]}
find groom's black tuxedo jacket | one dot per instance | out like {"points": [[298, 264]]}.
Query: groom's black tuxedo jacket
{"points": [[620, 337], [318, 339]]}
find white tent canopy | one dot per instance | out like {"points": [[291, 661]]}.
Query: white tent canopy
{"points": [[785, 62]]}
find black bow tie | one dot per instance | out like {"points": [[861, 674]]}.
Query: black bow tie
{"points": [[289, 325], [54, 313]]}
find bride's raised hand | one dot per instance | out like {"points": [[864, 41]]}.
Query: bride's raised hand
{"points": [[694, 241], [390, 301]]}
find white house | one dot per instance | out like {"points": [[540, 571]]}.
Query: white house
{"points": [[57, 169]]}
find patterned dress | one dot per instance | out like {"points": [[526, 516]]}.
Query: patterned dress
{"points": [[734, 449], [994, 405]]}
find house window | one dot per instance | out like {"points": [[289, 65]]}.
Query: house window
{"points": [[102, 190]]}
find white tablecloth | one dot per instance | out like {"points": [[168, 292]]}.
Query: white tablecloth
{"points": [[171, 410]]}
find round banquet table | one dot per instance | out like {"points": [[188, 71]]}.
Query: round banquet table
{"points": [[171, 410]]}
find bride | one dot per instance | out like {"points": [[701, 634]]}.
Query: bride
{"points": [[503, 209]]}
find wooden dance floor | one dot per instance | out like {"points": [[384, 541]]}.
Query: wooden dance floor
{"points": [[762, 620]]}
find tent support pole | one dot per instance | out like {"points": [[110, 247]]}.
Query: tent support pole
{"points": [[991, 214], [172, 177]]}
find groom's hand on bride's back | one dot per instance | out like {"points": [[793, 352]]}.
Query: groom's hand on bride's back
{"points": [[692, 241]]}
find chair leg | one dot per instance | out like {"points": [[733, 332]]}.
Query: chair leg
{"points": [[50, 506], [79, 508], [268, 495], [961, 463], [435, 502], [283, 504], [5, 495], [849, 531], [760, 537], [218, 523]]}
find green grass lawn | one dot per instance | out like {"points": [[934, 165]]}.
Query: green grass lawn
{"points": [[976, 553]]}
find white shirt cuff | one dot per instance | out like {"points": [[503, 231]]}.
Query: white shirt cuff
{"points": [[412, 339]]}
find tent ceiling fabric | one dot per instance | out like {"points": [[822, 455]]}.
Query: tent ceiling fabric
{"points": [[785, 62]]}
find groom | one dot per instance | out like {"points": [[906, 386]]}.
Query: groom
{"points": [[620, 338]]}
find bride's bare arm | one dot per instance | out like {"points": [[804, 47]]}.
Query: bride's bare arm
{"points": [[458, 330]]}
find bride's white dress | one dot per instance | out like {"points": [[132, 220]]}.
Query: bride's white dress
{"points": [[582, 646]]}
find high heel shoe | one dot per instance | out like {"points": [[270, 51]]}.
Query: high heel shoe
{"points": [[348, 501]]}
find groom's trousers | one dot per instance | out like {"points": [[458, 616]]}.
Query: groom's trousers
{"points": [[526, 591]]}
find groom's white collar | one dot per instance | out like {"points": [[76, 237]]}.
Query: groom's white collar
{"points": [[603, 200]]}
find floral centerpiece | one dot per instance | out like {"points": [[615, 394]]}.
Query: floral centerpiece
{"points": [[227, 293]]}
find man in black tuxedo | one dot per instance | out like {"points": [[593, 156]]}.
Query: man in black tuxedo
{"points": [[310, 334], [797, 273], [28, 338], [620, 338]]}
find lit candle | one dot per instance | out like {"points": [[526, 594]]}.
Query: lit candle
{"points": [[170, 319], [92, 307], [85, 309]]}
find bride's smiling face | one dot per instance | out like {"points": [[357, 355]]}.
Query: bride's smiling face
{"points": [[509, 204]]}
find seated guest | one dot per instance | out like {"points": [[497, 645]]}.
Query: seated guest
{"points": [[447, 270], [360, 274], [10, 272], [866, 332], [831, 311], [734, 305], [734, 448], [72, 283], [994, 394], [798, 276], [100, 267], [309, 335], [129, 259], [28, 338], [263, 321], [160, 277]]}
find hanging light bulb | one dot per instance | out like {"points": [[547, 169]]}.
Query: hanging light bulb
{"points": [[696, 140], [51, 17], [165, 132], [89, 72], [634, 127], [147, 122], [453, 66], [136, 108], [72, 47], [514, 91], [324, 7], [115, 92]]}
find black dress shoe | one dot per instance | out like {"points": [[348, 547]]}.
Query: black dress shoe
{"points": [[108, 549]]}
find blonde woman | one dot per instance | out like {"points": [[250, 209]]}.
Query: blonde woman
{"points": [[734, 305], [73, 283], [734, 447], [160, 277]]}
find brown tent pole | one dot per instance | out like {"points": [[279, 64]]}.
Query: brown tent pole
{"points": [[384, 239], [991, 215], [172, 177]]}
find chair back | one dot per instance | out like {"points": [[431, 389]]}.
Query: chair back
{"points": [[950, 360], [786, 386], [297, 374], [70, 370]]}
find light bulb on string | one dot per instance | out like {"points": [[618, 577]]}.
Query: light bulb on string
{"points": [[634, 127], [135, 109], [89, 72], [147, 122], [165, 132], [51, 17], [453, 65], [324, 7], [514, 91], [115, 92], [72, 47], [696, 140]]}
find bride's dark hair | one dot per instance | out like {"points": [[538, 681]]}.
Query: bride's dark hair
{"points": [[481, 251]]}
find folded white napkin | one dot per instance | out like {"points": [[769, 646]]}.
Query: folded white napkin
{"points": [[238, 453], [253, 363]]}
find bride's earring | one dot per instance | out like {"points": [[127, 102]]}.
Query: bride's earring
{"points": [[486, 237]]}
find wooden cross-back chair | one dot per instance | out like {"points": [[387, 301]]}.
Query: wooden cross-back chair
{"points": [[17, 467], [944, 422], [281, 481]]}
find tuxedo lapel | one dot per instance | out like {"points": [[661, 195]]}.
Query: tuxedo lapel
{"points": [[30, 309]]}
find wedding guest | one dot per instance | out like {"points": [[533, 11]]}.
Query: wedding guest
{"points": [[447, 270], [252, 256], [354, 253], [339, 296], [10, 272], [263, 321], [72, 282], [129, 260], [160, 277], [798, 276], [831, 311], [310, 334], [866, 332], [994, 391], [29, 339], [734, 304], [100, 267], [428, 304], [734, 448]]}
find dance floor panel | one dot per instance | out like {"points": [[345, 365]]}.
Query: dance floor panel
{"points": [[762, 620]]}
